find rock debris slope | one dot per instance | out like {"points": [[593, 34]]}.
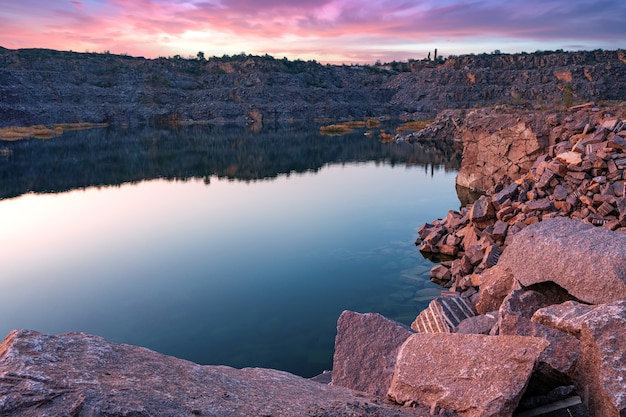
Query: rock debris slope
{"points": [[39, 86]]}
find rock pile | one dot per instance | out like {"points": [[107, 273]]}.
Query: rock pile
{"points": [[536, 311], [503, 142], [529, 336], [581, 178], [534, 322]]}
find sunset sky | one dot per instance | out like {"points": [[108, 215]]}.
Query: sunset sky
{"points": [[330, 31]]}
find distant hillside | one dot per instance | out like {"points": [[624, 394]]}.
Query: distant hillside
{"points": [[39, 86]]}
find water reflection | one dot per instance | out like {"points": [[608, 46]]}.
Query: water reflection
{"points": [[243, 271], [112, 156]]}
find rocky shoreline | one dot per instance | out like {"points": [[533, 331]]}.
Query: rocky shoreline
{"points": [[541, 255], [533, 322]]}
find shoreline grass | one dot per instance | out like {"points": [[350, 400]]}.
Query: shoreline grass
{"points": [[14, 133]]}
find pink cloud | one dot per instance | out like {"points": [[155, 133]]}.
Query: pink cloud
{"points": [[347, 27]]}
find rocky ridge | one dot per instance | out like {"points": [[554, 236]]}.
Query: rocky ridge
{"points": [[39, 86]]}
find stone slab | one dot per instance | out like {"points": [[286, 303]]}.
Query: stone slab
{"points": [[76, 374], [474, 375], [366, 347], [443, 314], [588, 262], [600, 375]]}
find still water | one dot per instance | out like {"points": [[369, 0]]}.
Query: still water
{"points": [[216, 246]]}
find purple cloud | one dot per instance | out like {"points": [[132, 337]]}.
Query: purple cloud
{"points": [[349, 28]]}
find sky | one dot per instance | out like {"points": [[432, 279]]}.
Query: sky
{"points": [[329, 31]]}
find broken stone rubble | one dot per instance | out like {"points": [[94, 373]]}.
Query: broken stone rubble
{"points": [[570, 357], [581, 177], [567, 181]]}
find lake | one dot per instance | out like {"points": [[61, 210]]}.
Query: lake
{"points": [[217, 245]]}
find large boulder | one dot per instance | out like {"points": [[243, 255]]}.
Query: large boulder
{"points": [[524, 303], [474, 375], [366, 347], [75, 374], [588, 262], [600, 374], [556, 363]]}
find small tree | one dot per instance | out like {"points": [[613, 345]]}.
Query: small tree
{"points": [[568, 96], [200, 56]]}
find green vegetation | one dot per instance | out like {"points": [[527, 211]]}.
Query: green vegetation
{"points": [[568, 96], [157, 80]]}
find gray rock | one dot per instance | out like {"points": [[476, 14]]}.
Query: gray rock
{"points": [[481, 324], [122, 89], [443, 314], [75, 374], [524, 303], [588, 262]]}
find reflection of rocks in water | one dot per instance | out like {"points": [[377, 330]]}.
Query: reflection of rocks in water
{"points": [[441, 152], [466, 196], [115, 156]]}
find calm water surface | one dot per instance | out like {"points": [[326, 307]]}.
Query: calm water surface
{"points": [[159, 239]]}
